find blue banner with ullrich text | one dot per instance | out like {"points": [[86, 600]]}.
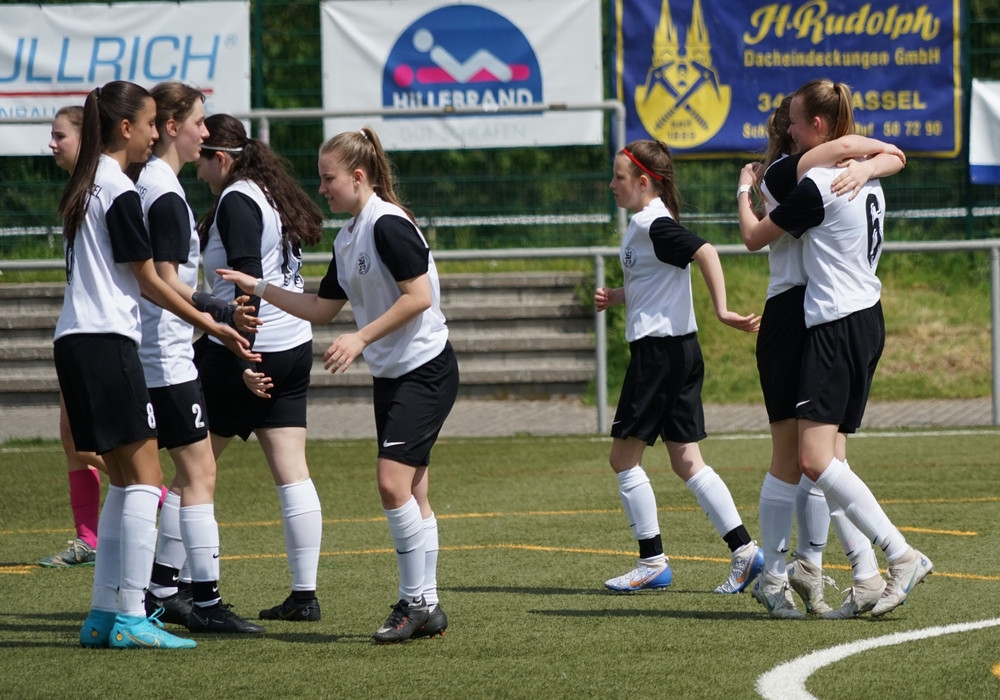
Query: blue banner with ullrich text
{"points": [[703, 75]]}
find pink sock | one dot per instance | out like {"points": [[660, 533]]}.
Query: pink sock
{"points": [[163, 494], [85, 499]]}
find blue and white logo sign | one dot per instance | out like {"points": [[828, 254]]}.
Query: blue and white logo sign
{"points": [[462, 56], [389, 56]]}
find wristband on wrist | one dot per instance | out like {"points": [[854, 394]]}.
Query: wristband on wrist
{"points": [[259, 287], [741, 189]]}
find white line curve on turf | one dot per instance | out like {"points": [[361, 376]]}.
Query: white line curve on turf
{"points": [[788, 681]]}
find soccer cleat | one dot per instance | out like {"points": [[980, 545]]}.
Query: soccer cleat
{"points": [[808, 580], [644, 575], [861, 598], [137, 632], [437, 623], [77, 553], [97, 629], [776, 595], [403, 622], [903, 576], [748, 561], [176, 607], [220, 618], [293, 611]]}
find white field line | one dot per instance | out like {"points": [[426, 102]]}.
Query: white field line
{"points": [[788, 681]]}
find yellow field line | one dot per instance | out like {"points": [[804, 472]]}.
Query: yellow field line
{"points": [[29, 568]]}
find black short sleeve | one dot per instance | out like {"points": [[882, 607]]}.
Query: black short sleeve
{"points": [[801, 210], [329, 286], [782, 176], [401, 248], [129, 238], [672, 243], [170, 229], [241, 226]]}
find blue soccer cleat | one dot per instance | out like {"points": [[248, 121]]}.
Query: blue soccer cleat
{"points": [[646, 575], [138, 632]]}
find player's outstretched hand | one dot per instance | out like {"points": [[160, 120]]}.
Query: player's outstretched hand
{"points": [[244, 319], [240, 279], [749, 323], [236, 343], [605, 297], [258, 383], [341, 353]]}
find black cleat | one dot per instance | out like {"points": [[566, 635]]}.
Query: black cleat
{"points": [[437, 623], [403, 622], [293, 611], [176, 607], [220, 618]]}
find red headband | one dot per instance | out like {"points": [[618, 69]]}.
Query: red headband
{"points": [[642, 167]]}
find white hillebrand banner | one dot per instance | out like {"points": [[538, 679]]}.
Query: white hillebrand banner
{"points": [[385, 55], [54, 55], [984, 133]]}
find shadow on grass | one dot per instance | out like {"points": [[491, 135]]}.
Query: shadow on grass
{"points": [[312, 638], [675, 614]]}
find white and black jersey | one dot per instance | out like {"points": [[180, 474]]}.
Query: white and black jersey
{"points": [[246, 235], [655, 257], [166, 352], [784, 254], [842, 243], [102, 293], [371, 255]]}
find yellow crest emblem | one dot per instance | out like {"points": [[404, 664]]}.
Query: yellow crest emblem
{"points": [[682, 102]]}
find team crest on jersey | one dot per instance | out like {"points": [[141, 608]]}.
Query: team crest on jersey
{"points": [[364, 264], [682, 102], [629, 257]]}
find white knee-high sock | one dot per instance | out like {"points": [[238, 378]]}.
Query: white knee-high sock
{"points": [[639, 502], [846, 490], [169, 543], [201, 540], [856, 546], [407, 530], [777, 511], [138, 540], [303, 524], [107, 565], [430, 560], [813, 515], [714, 498]]}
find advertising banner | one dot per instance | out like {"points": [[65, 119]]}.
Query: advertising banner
{"points": [[54, 55], [392, 55], [984, 133], [703, 75]]}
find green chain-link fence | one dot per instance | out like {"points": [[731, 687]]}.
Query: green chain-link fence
{"points": [[933, 196]]}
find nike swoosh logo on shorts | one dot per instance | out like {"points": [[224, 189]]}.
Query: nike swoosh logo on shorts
{"points": [[800, 404], [386, 443]]}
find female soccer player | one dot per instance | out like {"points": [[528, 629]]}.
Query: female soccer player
{"points": [[779, 346], [84, 468], [661, 395], [258, 224], [108, 266], [188, 530], [845, 333], [383, 266]]}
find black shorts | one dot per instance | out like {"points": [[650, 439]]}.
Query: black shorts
{"points": [[838, 363], [181, 418], [234, 410], [101, 380], [410, 410], [661, 394], [779, 352]]}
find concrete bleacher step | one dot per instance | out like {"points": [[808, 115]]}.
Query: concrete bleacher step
{"points": [[515, 334]]}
